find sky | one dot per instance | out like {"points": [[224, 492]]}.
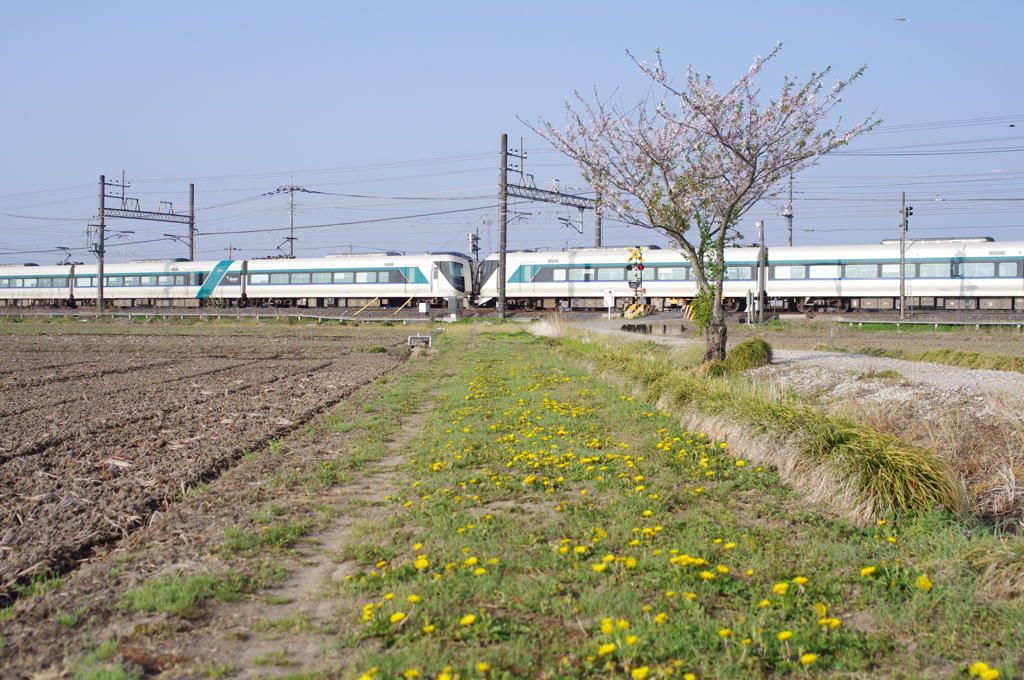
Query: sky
{"points": [[388, 118]]}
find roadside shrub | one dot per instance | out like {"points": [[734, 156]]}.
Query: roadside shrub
{"points": [[752, 353], [712, 369]]}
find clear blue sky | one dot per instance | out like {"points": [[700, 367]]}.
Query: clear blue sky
{"points": [[394, 112]]}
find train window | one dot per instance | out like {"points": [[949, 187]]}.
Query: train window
{"points": [[113, 280], [279, 278], [59, 283], [1008, 269], [179, 279], [31, 283], [580, 274], [933, 270], [321, 277], [739, 273], [301, 277], [5, 283], [344, 277], [165, 280], [860, 271], [147, 280], [16, 283], [892, 271], [558, 275], [259, 279], [611, 274], [673, 273], [823, 271], [384, 277], [975, 270], [790, 272], [366, 277], [131, 280]]}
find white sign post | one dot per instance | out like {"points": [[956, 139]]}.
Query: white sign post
{"points": [[609, 302]]}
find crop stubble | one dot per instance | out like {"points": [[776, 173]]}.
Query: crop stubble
{"points": [[99, 432]]}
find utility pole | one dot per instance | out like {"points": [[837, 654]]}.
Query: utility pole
{"points": [[291, 189], [788, 214], [761, 264], [192, 222], [905, 212], [99, 245], [291, 217], [502, 223]]}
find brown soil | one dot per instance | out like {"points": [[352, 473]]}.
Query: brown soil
{"points": [[103, 441]]}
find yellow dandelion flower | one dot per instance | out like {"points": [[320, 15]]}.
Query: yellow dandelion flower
{"points": [[631, 639], [428, 629], [483, 666], [467, 620], [707, 575], [600, 566], [607, 627], [639, 673], [724, 632], [411, 673], [608, 558], [722, 569], [622, 623], [800, 580], [765, 603], [397, 616], [479, 571], [606, 648], [661, 618], [868, 571], [781, 588], [808, 659], [784, 635], [924, 583]]}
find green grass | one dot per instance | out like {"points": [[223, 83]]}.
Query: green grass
{"points": [[952, 357], [183, 595], [556, 526]]}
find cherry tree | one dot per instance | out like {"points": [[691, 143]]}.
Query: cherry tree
{"points": [[691, 162]]}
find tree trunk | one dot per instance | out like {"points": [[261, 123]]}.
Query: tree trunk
{"points": [[715, 334]]}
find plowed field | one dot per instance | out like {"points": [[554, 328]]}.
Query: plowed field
{"points": [[100, 431]]}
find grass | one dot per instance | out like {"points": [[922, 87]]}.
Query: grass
{"points": [[952, 357], [555, 526]]}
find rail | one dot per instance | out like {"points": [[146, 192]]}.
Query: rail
{"points": [[206, 316], [899, 323]]}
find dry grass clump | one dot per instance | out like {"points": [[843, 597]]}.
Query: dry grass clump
{"points": [[1003, 566], [983, 443]]}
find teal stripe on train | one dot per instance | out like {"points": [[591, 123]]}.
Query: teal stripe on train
{"points": [[214, 279]]}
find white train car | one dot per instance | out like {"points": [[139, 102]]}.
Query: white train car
{"points": [[29, 284], [580, 278], [940, 274], [154, 283], [381, 279]]}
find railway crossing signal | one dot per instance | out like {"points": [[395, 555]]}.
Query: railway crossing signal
{"points": [[635, 264]]}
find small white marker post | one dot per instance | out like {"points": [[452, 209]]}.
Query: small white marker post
{"points": [[609, 302]]}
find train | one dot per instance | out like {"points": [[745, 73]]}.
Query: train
{"points": [[938, 274], [388, 279]]}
